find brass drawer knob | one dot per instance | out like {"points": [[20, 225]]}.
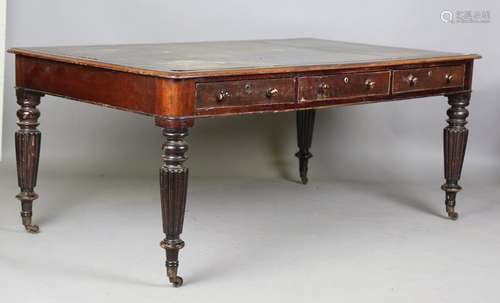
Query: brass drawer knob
{"points": [[324, 90], [412, 80], [272, 92], [449, 78], [323, 86], [223, 94], [369, 84]]}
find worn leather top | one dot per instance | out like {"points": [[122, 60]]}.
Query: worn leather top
{"points": [[233, 55]]}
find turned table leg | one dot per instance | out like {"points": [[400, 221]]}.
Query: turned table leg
{"points": [[27, 139], [455, 142], [305, 127], [173, 184]]}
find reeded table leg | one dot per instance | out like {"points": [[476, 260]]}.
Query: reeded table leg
{"points": [[305, 127], [27, 153], [173, 183], [455, 142]]}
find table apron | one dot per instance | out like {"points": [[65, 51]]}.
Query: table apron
{"points": [[201, 97]]}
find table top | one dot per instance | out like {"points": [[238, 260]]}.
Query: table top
{"points": [[203, 59]]}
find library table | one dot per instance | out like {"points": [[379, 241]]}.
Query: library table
{"points": [[176, 83]]}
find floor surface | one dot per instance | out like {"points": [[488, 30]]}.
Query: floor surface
{"points": [[251, 240]]}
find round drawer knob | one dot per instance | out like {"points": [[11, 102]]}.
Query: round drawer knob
{"points": [[223, 94], [370, 84], [448, 77], [323, 86], [323, 89], [272, 92], [412, 80]]}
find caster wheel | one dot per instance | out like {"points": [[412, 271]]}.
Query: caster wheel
{"points": [[177, 281], [32, 229], [304, 180], [453, 215]]}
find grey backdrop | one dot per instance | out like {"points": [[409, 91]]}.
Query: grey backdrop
{"points": [[370, 218], [374, 143]]}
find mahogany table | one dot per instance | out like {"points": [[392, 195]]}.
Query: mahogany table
{"points": [[177, 83]]}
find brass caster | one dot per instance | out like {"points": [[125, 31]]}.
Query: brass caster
{"points": [[304, 180], [32, 228], [177, 281], [453, 215]]}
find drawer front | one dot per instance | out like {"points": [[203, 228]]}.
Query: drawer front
{"points": [[250, 92], [343, 86], [417, 79]]}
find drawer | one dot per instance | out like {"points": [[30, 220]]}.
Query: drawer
{"points": [[245, 92], [417, 79], [344, 85]]}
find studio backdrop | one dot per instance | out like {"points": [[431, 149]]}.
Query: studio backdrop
{"points": [[2, 65], [393, 140]]}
